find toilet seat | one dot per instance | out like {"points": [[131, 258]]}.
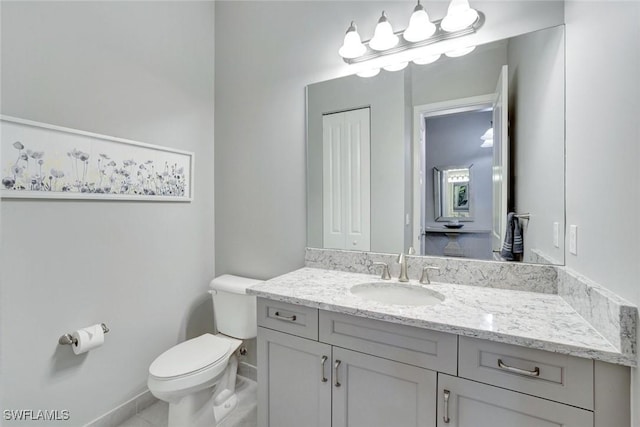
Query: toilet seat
{"points": [[191, 357]]}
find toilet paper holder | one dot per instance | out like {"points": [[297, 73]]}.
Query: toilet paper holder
{"points": [[67, 339]]}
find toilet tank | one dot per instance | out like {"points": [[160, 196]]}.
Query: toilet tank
{"points": [[234, 310]]}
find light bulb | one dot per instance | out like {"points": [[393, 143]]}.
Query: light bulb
{"points": [[460, 52], [369, 73], [396, 67], [424, 60], [459, 16], [420, 28], [383, 37], [352, 46]]}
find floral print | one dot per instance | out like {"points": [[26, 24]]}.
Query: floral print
{"points": [[127, 177]]}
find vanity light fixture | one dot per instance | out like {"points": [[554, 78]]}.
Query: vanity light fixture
{"points": [[456, 53], [420, 27], [372, 72], [352, 46], [396, 66], [383, 36], [459, 16], [419, 42], [424, 60]]}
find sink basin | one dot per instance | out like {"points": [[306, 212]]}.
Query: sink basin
{"points": [[397, 293]]}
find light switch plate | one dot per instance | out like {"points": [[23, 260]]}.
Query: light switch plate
{"points": [[556, 234], [573, 239]]}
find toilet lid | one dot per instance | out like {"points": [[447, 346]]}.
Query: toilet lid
{"points": [[190, 356]]}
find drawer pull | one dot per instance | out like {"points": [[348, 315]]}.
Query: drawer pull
{"points": [[324, 360], [534, 373], [335, 367], [446, 418], [283, 317]]}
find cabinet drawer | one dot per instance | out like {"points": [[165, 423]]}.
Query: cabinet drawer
{"points": [[407, 344], [553, 376], [289, 318]]}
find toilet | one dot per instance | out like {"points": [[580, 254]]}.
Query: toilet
{"points": [[197, 377]]}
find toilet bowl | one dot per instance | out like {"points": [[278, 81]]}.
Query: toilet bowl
{"points": [[197, 377]]}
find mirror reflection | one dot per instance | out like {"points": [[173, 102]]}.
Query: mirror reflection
{"points": [[452, 194], [380, 153]]}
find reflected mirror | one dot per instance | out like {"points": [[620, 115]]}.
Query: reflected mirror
{"points": [[380, 150], [452, 194]]}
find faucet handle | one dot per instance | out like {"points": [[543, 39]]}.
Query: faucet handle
{"points": [[424, 279], [385, 270]]}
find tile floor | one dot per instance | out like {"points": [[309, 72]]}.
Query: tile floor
{"points": [[245, 415]]}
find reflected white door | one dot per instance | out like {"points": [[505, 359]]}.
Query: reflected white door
{"points": [[346, 180], [500, 159]]}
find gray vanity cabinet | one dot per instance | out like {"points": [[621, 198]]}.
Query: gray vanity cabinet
{"points": [[299, 383], [319, 368], [294, 385], [304, 382], [376, 392], [464, 403]]}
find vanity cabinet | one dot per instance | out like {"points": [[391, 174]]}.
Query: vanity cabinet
{"points": [[306, 382], [293, 380], [464, 403], [319, 368]]}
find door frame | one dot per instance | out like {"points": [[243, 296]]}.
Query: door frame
{"points": [[420, 113]]}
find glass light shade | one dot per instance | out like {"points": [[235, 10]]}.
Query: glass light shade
{"points": [[427, 59], [487, 144], [460, 52], [396, 67], [459, 16], [369, 73], [383, 37], [487, 138], [420, 28], [352, 46]]}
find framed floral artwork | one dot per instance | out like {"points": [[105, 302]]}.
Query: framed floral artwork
{"points": [[39, 160]]}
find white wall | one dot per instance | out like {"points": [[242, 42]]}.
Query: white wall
{"points": [[603, 146], [137, 70], [266, 53], [536, 113]]}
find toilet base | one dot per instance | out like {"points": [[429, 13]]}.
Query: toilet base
{"points": [[210, 406], [198, 410]]}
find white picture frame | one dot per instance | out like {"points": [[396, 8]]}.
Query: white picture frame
{"points": [[44, 161]]}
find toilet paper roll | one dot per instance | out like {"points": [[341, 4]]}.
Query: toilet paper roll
{"points": [[87, 338]]}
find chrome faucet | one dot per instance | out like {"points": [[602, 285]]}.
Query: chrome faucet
{"points": [[402, 260]]}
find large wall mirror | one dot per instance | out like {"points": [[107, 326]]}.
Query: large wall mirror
{"points": [[449, 158]]}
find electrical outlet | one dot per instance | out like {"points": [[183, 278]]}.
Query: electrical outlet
{"points": [[573, 239], [556, 234]]}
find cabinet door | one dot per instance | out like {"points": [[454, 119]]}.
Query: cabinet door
{"points": [[463, 403], [370, 391], [294, 385]]}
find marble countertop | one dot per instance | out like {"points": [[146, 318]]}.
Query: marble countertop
{"points": [[530, 319]]}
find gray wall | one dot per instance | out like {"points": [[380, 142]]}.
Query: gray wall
{"points": [[603, 149], [384, 94], [536, 103], [261, 73], [137, 70]]}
